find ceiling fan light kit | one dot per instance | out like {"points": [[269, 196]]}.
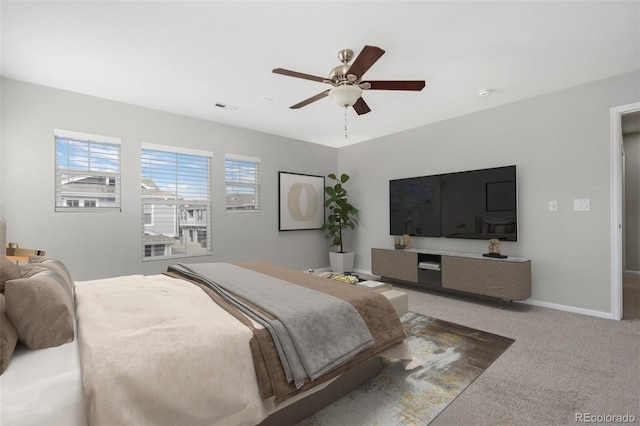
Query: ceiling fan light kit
{"points": [[347, 82], [345, 95]]}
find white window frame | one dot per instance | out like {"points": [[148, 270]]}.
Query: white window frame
{"points": [[158, 204], [149, 212], [238, 183], [91, 140]]}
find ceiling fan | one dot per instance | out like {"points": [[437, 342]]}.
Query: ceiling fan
{"points": [[347, 81]]}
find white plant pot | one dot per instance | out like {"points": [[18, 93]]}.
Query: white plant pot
{"points": [[341, 262]]}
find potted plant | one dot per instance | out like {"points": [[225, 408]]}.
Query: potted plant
{"points": [[341, 216]]}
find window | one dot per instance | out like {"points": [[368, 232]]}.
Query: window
{"points": [[148, 214], [176, 202], [87, 172], [242, 176]]}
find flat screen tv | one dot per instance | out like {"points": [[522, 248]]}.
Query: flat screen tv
{"points": [[475, 204]]}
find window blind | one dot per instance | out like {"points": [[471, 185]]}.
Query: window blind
{"points": [[87, 176], [242, 176], [176, 202]]}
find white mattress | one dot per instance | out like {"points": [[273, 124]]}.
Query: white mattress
{"points": [[43, 387]]}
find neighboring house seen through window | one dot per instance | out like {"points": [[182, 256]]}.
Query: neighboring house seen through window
{"points": [[87, 172], [242, 176], [176, 201]]}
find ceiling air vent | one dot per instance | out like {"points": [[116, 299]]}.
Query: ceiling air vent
{"points": [[226, 106]]}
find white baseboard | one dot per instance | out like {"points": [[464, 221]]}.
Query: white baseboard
{"points": [[567, 308]]}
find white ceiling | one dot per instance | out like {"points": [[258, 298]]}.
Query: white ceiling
{"points": [[183, 57]]}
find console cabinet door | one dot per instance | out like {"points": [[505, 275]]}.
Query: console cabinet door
{"points": [[397, 264], [506, 280]]}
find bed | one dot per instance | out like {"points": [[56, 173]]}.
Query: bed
{"points": [[135, 357]]}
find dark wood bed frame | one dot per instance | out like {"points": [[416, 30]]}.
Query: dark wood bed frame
{"points": [[348, 381]]}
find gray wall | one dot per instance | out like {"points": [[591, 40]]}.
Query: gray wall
{"points": [[560, 144], [632, 201], [96, 245], [559, 141]]}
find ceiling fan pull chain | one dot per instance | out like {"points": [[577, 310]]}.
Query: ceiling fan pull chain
{"points": [[345, 122]]}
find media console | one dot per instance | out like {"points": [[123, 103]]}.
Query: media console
{"points": [[505, 279]]}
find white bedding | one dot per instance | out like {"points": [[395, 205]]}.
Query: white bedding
{"points": [[43, 387], [179, 384], [200, 369]]}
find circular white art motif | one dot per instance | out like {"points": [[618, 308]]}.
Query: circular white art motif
{"points": [[302, 194]]}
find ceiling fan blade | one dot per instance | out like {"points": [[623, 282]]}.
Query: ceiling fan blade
{"points": [[298, 75], [364, 61], [361, 107], [416, 85], [310, 100]]}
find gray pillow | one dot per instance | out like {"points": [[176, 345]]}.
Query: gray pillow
{"points": [[54, 265], [41, 309], [8, 271], [8, 337], [30, 269]]}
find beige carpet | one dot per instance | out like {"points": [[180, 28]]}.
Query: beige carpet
{"points": [[560, 366]]}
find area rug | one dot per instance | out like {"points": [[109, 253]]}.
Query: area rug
{"points": [[452, 357]]}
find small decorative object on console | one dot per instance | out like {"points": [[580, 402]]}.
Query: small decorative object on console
{"points": [[348, 279], [494, 249], [371, 284], [399, 245]]}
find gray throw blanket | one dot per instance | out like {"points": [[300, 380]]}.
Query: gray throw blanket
{"points": [[313, 332]]}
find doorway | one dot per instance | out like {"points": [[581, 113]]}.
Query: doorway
{"points": [[617, 202], [631, 216]]}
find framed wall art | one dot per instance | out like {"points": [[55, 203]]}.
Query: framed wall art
{"points": [[301, 204]]}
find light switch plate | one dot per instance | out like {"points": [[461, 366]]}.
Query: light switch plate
{"points": [[581, 205], [553, 206]]}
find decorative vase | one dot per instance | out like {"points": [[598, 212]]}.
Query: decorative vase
{"points": [[341, 262]]}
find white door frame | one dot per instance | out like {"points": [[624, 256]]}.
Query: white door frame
{"points": [[616, 114]]}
